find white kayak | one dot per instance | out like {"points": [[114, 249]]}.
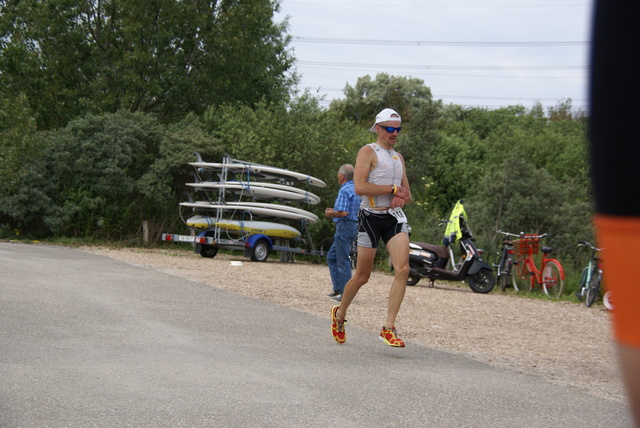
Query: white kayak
{"points": [[243, 227], [262, 170]]}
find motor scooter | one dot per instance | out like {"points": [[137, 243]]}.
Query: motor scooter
{"points": [[430, 261]]}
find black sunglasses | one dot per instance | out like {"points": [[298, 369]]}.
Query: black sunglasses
{"points": [[390, 129]]}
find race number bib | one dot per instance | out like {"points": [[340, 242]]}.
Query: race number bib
{"points": [[398, 214]]}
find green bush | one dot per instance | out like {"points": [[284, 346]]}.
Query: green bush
{"points": [[85, 182]]}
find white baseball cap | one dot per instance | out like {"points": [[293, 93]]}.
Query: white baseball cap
{"points": [[386, 115]]}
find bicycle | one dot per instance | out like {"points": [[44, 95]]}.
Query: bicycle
{"points": [[505, 262], [550, 276], [591, 279], [353, 254]]}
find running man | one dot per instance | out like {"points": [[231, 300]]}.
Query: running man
{"points": [[381, 181]]}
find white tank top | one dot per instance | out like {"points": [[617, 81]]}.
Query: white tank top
{"points": [[388, 171]]}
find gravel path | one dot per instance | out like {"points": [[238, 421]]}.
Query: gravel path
{"points": [[563, 342]]}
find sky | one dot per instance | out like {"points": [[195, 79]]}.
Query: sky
{"points": [[485, 53]]}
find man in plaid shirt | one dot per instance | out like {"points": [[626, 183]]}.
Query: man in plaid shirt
{"points": [[345, 215]]}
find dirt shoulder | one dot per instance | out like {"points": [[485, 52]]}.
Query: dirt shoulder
{"points": [[564, 342]]}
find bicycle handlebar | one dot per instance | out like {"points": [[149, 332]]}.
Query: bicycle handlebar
{"points": [[506, 233], [521, 234], [531, 235], [589, 244]]}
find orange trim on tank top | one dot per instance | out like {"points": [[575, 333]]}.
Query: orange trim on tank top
{"points": [[619, 237]]}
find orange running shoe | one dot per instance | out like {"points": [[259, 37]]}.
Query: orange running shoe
{"points": [[390, 337], [337, 327]]}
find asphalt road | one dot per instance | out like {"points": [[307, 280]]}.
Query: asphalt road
{"points": [[88, 341]]}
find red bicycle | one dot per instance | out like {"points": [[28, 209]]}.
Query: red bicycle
{"points": [[550, 276]]}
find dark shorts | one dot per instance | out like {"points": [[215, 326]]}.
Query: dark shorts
{"points": [[372, 227]]}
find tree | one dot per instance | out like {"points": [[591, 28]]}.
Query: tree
{"points": [[166, 57], [163, 183], [85, 182], [416, 143], [298, 136], [361, 103], [17, 145], [525, 173]]}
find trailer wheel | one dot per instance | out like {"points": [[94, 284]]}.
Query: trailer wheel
{"points": [[208, 251], [260, 251]]}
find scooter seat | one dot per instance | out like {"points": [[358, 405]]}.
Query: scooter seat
{"points": [[439, 250]]}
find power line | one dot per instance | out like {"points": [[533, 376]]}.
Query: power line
{"points": [[486, 76], [300, 39], [443, 5], [506, 97], [332, 64], [471, 97]]}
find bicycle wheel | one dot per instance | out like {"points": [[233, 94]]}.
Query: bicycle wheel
{"points": [[353, 260], [526, 278], [582, 285], [499, 267], [552, 280], [593, 291], [353, 255], [505, 272]]}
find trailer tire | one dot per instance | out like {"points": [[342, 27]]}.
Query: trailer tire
{"points": [[208, 251], [260, 251]]}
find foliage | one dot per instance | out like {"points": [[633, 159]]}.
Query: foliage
{"points": [[164, 181], [527, 174], [165, 57], [85, 183], [407, 96], [17, 144]]}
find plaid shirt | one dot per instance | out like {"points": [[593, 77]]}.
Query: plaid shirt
{"points": [[348, 202]]}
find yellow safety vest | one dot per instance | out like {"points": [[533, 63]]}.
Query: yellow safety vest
{"points": [[453, 232]]}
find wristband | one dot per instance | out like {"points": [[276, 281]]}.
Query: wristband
{"points": [[394, 189]]}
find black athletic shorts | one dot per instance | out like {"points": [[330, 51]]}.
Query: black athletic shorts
{"points": [[372, 227]]}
